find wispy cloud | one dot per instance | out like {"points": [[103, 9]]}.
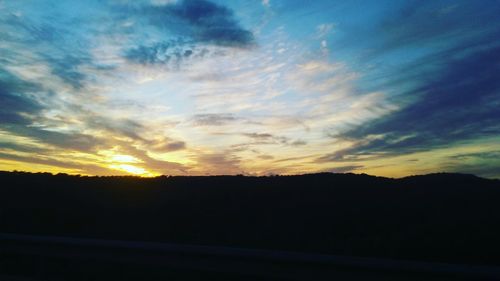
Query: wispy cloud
{"points": [[213, 119], [198, 86], [345, 169], [17, 99], [201, 20]]}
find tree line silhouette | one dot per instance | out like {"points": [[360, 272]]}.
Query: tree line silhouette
{"points": [[436, 217]]}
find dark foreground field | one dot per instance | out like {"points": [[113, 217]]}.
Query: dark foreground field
{"points": [[436, 218]]}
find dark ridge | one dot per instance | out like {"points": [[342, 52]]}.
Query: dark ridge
{"points": [[437, 217]]}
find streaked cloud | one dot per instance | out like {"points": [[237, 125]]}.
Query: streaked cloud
{"points": [[213, 119], [228, 87]]}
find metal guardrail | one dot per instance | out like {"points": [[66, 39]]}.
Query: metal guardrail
{"points": [[280, 265]]}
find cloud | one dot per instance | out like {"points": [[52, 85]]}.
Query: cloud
{"points": [[213, 119], [28, 32], [345, 169], [459, 102], [202, 21], [67, 140], [323, 30], [258, 136], [266, 138], [298, 143], [17, 105], [163, 2], [66, 68], [265, 157], [173, 146], [191, 30], [77, 167], [52, 40], [172, 53], [22, 105], [489, 171], [426, 25], [218, 163], [168, 146], [422, 78], [484, 163], [349, 154], [489, 155], [150, 163], [447, 91], [118, 127]]}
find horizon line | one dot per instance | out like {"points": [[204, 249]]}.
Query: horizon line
{"points": [[245, 175]]}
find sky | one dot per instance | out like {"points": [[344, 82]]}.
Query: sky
{"points": [[254, 87]]}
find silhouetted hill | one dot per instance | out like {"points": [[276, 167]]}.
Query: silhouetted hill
{"points": [[436, 217]]}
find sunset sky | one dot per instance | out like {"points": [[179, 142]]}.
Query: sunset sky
{"points": [[389, 88]]}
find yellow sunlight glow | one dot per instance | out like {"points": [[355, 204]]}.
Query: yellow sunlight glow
{"points": [[132, 170], [124, 159]]}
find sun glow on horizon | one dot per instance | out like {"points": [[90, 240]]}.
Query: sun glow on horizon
{"points": [[134, 170]]}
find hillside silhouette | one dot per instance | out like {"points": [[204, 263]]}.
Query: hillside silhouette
{"points": [[436, 217]]}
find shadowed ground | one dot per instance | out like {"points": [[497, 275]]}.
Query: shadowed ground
{"points": [[440, 217]]}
